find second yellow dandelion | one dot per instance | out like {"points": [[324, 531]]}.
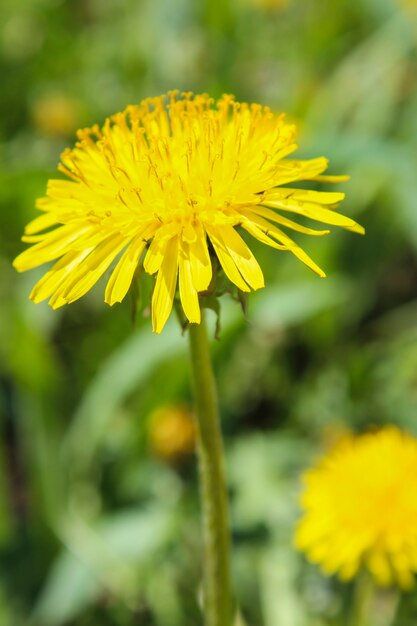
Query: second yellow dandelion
{"points": [[360, 508]]}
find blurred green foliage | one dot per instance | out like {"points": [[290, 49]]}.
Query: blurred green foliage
{"points": [[95, 529]]}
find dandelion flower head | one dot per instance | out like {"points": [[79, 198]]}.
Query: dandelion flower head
{"points": [[167, 184], [360, 508]]}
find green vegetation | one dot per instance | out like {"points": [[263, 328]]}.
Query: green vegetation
{"points": [[96, 527]]}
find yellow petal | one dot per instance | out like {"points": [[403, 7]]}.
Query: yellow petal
{"points": [[259, 233], [53, 279], [291, 170], [379, 567], [122, 275], [62, 189], [349, 569], [280, 236], [41, 223], [242, 255], [280, 219], [200, 261], [226, 260], [166, 282], [305, 195], [89, 271], [188, 233], [318, 213], [188, 293], [52, 246], [155, 254]]}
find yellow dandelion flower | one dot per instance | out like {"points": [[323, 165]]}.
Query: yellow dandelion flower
{"points": [[172, 432], [55, 115], [412, 4], [270, 5], [360, 508], [172, 180]]}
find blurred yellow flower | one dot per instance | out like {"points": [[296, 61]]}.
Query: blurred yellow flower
{"points": [[55, 115], [175, 176], [270, 5], [172, 432], [360, 508]]}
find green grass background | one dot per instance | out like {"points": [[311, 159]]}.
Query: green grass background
{"points": [[95, 529]]}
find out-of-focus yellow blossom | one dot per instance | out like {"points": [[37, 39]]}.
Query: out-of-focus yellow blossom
{"points": [[360, 508], [269, 5], [172, 432], [55, 115], [175, 180], [333, 432]]}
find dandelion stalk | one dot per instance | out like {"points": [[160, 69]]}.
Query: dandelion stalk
{"points": [[373, 605], [362, 608], [217, 586]]}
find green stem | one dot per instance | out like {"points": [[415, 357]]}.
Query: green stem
{"points": [[364, 595], [217, 586]]}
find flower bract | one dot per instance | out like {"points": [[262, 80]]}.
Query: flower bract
{"points": [[171, 184], [360, 508]]}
